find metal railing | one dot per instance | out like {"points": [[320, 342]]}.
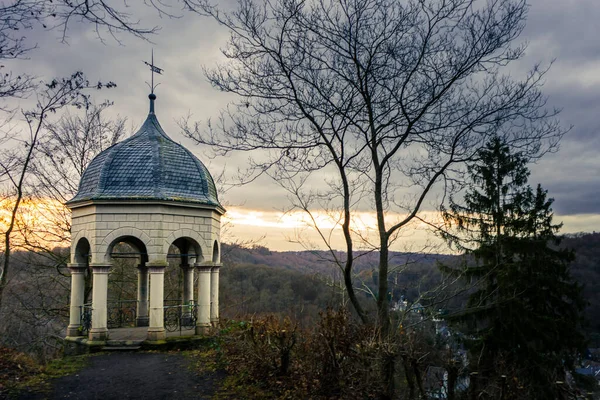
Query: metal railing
{"points": [[180, 317], [85, 315], [122, 313]]}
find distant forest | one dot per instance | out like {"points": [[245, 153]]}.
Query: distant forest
{"points": [[258, 280]]}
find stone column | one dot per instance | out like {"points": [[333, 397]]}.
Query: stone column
{"points": [[188, 283], [77, 271], [99, 331], [156, 329], [203, 321], [188, 293], [142, 296], [214, 295]]}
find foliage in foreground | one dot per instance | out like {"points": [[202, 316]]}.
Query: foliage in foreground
{"points": [[270, 357]]}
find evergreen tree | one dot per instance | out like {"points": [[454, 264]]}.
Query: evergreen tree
{"points": [[525, 308]]}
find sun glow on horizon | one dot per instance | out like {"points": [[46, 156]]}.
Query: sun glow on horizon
{"points": [[46, 223]]}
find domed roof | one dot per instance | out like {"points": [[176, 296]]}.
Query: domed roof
{"points": [[147, 166]]}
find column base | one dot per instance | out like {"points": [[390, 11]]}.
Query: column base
{"points": [[202, 329], [98, 335], [155, 334], [214, 322], [74, 330], [142, 321]]}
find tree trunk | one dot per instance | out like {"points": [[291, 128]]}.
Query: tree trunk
{"points": [[452, 378], [5, 265], [388, 372], [415, 366], [410, 381]]}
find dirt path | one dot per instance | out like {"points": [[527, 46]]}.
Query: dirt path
{"points": [[132, 376]]}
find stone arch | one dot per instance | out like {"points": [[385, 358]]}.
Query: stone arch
{"points": [[131, 235], [187, 245], [82, 234], [82, 251], [191, 236], [216, 255]]}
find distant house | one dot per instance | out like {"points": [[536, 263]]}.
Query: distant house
{"points": [[400, 305], [417, 308]]}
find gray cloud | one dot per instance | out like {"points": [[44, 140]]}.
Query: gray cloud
{"points": [[557, 29]]}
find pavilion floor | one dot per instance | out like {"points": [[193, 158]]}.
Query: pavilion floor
{"points": [[142, 332]]}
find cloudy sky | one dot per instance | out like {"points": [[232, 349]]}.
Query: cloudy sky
{"points": [[565, 31]]}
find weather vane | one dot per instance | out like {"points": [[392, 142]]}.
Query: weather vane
{"points": [[154, 69]]}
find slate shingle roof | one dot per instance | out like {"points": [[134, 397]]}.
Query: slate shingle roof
{"points": [[147, 166]]}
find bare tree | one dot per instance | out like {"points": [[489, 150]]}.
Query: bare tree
{"points": [[37, 292], [65, 150], [57, 94], [387, 99], [20, 16]]}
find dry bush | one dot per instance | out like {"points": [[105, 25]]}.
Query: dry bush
{"points": [[335, 359]]}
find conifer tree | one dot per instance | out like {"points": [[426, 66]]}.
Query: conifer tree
{"points": [[525, 307]]}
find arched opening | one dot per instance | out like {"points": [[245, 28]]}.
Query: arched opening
{"points": [[82, 251], [128, 247], [179, 302], [128, 284], [216, 256]]}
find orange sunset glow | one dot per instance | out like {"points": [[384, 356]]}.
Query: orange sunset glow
{"points": [[277, 230], [47, 224]]}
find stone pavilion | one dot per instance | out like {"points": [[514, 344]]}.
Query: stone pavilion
{"points": [[151, 193]]}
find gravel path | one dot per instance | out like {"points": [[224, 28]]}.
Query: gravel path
{"points": [[132, 376]]}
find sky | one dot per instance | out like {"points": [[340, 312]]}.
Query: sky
{"points": [[560, 31]]}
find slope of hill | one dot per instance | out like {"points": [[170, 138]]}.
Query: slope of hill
{"points": [[586, 270], [414, 273]]}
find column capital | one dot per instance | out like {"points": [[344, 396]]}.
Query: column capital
{"points": [[77, 268], [215, 267], [101, 268], [203, 267], [157, 267]]}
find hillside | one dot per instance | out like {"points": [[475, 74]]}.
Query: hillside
{"points": [[415, 272], [586, 270]]}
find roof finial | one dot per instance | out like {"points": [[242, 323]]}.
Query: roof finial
{"points": [[159, 71]]}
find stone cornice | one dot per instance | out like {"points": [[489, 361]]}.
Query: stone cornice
{"points": [[134, 202]]}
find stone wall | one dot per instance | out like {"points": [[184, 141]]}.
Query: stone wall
{"points": [[157, 225]]}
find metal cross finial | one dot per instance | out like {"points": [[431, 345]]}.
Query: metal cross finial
{"points": [[154, 69]]}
